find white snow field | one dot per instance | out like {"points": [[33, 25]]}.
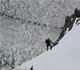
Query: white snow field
{"points": [[64, 56], [25, 24]]}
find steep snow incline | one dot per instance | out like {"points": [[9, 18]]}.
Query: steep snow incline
{"points": [[64, 56], [25, 24]]}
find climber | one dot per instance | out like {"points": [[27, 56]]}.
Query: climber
{"points": [[48, 43]]}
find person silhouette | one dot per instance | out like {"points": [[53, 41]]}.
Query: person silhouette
{"points": [[48, 43]]}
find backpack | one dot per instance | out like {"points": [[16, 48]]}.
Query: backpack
{"points": [[46, 40]]}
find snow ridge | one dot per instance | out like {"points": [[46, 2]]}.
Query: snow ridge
{"points": [[65, 56]]}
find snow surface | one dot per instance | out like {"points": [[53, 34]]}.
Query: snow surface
{"points": [[64, 56], [27, 23]]}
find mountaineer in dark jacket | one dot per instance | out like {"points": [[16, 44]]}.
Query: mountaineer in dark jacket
{"points": [[48, 44]]}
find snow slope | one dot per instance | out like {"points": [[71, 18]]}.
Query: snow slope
{"points": [[25, 24], [64, 56]]}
